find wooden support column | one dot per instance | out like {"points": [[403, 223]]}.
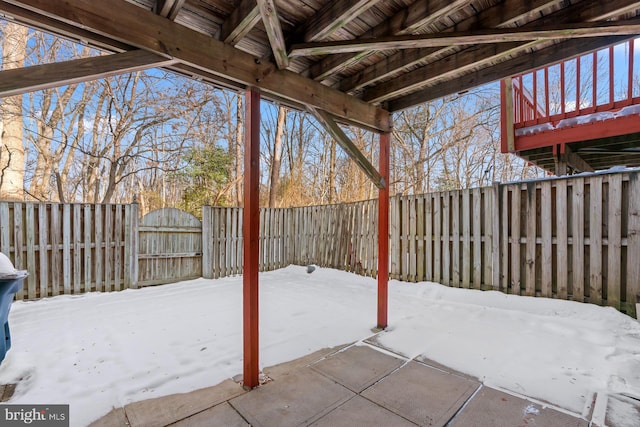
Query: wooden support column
{"points": [[383, 232], [250, 231]]}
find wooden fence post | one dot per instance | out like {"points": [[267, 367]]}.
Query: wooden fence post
{"points": [[495, 242], [131, 245], [207, 271]]}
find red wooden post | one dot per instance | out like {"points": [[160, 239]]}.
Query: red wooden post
{"points": [[383, 233], [250, 231], [630, 75]]}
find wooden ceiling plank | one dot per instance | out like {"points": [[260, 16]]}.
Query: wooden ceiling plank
{"points": [[242, 20], [549, 55], [38, 77], [169, 8], [407, 21], [271, 22], [588, 11], [136, 26], [348, 146], [504, 13], [333, 16], [484, 36]]}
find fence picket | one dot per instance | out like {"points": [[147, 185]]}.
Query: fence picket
{"points": [[562, 259], [546, 255], [476, 214], [530, 248], [515, 240], [614, 237], [595, 240], [43, 252], [577, 236]]}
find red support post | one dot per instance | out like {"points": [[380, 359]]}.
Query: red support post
{"points": [[250, 231], [630, 76], [383, 233]]}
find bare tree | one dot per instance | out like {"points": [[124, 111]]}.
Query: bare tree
{"points": [[12, 153]]}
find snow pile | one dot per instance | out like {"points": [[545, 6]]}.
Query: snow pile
{"points": [[6, 266], [98, 350]]}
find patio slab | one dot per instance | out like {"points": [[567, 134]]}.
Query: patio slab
{"points": [[294, 400], [491, 407], [170, 409], [346, 367], [422, 394], [359, 411], [358, 386], [222, 415]]}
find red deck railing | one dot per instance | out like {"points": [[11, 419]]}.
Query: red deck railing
{"points": [[542, 101]]}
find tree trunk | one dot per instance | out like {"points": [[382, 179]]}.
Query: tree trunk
{"points": [[11, 144], [332, 171], [277, 156], [238, 156]]}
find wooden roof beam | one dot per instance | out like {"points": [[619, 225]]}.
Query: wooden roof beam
{"points": [[407, 21], [348, 146], [333, 16], [484, 36], [169, 8], [271, 22], [38, 77], [242, 20], [505, 13], [123, 22], [587, 10]]}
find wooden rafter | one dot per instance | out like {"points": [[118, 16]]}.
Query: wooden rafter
{"points": [[169, 8], [271, 23], [348, 146], [485, 36], [407, 21], [122, 21], [38, 77], [502, 14], [242, 20], [333, 16], [471, 58]]}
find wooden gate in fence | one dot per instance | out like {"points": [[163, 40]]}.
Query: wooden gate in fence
{"points": [[169, 247]]}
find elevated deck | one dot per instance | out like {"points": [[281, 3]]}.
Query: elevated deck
{"points": [[580, 115]]}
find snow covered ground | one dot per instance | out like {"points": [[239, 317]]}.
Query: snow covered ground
{"points": [[101, 350]]}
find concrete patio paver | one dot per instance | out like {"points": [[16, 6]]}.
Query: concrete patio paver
{"points": [[169, 409], [294, 400], [360, 412], [491, 407], [222, 415], [422, 394], [315, 390], [346, 367]]}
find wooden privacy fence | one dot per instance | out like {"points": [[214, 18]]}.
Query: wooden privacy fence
{"points": [[70, 248], [571, 238]]}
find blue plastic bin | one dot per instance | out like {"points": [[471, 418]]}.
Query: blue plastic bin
{"points": [[9, 285]]}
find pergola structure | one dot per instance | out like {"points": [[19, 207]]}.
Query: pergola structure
{"points": [[345, 61]]}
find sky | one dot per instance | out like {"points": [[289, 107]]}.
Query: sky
{"points": [[102, 350]]}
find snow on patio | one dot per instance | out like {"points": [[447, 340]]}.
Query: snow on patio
{"points": [[100, 350]]}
